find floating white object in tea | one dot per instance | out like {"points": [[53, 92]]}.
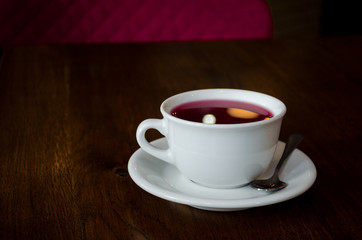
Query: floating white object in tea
{"points": [[209, 119]]}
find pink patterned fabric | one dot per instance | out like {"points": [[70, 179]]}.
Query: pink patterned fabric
{"points": [[95, 21]]}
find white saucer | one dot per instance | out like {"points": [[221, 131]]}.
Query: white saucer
{"points": [[165, 181]]}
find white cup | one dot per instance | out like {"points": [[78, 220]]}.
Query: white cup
{"points": [[216, 155]]}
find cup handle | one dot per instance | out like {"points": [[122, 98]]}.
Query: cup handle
{"points": [[159, 125]]}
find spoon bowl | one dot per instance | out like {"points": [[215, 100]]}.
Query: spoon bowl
{"points": [[266, 184], [274, 183]]}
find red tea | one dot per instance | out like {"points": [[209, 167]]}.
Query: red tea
{"points": [[221, 112]]}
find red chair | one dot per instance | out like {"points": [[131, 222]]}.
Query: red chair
{"points": [[96, 21]]}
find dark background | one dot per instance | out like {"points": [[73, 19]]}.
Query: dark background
{"points": [[314, 18], [341, 17]]}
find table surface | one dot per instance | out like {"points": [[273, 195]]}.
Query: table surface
{"points": [[69, 114]]}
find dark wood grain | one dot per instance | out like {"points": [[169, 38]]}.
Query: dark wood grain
{"points": [[68, 117]]}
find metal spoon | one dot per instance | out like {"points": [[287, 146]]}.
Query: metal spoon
{"points": [[273, 183]]}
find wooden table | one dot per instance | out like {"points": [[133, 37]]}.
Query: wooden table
{"points": [[68, 117]]}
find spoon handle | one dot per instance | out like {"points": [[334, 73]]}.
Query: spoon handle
{"points": [[293, 141]]}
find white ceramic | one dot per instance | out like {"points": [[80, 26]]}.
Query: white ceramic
{"points": [[216, 155], [165, 181]]}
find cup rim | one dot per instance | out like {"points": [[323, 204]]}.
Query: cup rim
{"points": [[276, 116]]}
